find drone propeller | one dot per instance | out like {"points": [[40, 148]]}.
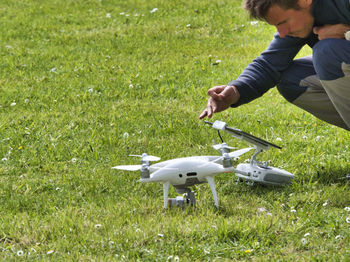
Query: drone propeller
{"points": [[222, 146], [237, 153], [128, 167], [139, 167], [146, 157]]}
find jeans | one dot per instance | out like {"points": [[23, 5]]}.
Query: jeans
{"points": [[320, 84]]}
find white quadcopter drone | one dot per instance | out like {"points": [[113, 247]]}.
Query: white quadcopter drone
{"points": [[185, 172]]}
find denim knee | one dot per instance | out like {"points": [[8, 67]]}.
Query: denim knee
{"points": [[289, 85], [287, 90], [328, 55]]}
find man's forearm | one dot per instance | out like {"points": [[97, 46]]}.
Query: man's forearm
{"points": [[331, 31]]}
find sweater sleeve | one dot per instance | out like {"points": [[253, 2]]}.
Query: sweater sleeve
{"points": [[265, 71]]}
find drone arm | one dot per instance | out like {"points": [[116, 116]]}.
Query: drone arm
{"points": [[211, 183], [165, 193], [254, 160], [232, 169]]}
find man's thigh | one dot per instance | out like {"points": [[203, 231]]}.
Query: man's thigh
{"points": [[332, 64], [301, 86]]}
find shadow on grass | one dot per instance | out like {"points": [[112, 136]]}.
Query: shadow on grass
{"points": [[256, 195], [325, 177], [231, 195]]}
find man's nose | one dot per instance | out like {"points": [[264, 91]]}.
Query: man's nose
{"points": [[282, 31]]}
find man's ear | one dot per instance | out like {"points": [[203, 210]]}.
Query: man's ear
{"points": [[305, 3]]}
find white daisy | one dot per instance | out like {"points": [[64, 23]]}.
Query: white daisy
{"points": [[304, 241]]}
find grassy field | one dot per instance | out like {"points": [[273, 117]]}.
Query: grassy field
{"points": [[84, 84]]}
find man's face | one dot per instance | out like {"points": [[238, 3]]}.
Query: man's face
{"points": [[296, 23]]}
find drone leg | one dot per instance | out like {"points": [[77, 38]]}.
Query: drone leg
{"points": [[213, 189], [165, 193]]}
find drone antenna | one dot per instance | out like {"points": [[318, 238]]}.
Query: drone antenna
{"points": [[260, 143], [222, 141]]}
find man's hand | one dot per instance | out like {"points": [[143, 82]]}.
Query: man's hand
{"points": [[331, 31], [221, 98]]}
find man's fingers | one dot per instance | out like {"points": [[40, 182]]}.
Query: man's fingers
{"points": [[209, 111], [213, 94], [204, 114], [216, 101], [215, 91]]}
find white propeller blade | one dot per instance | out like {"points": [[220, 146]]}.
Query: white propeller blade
{"points": [[128, 167], [239, 152], [223, 145], [146, 157], [151, 158], [216, 160]]}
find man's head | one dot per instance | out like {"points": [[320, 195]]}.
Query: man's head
{"points": [[290, 17]]}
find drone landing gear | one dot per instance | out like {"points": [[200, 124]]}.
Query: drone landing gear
{"points": [[247, 182]]}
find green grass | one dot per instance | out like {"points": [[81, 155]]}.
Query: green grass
{"points": [[95, 81]]}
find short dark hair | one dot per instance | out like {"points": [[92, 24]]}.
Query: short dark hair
{"points": [[258, 8]]}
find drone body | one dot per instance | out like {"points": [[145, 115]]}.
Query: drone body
{"points": [[185, 172], [265, 175]]}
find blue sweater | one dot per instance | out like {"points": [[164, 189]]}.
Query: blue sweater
{"points": [[265, 71]]}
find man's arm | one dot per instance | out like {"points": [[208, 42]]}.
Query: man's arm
{"points": [[265, 71], [331, 31], [257, 78]]}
